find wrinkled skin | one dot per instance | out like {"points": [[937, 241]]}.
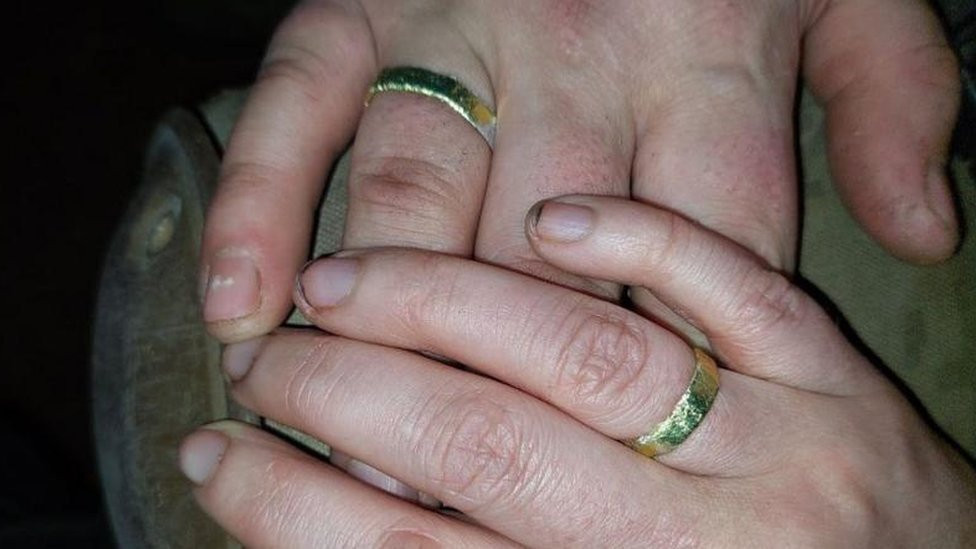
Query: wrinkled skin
{"points": [[806, 444]]}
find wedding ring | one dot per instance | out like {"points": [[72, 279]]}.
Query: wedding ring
{"points": [[443, 88], [687, 414]]}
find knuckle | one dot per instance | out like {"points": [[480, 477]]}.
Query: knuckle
{"points": [[840, 496], [428, 293], [766, 299], [668, 249], [246, 187], [297, 66], [603, 362], [836, 492], [847, 490], [311, 382], [476, 450], [247, 177], [310, 64], [407, 187]]}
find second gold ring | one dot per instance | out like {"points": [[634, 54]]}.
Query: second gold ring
{"points": [[687, 415], [443, 88]]}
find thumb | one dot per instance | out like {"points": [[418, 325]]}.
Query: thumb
{"points": [[890, 85]]}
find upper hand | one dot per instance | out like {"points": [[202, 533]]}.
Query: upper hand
{"points": [[685, 104]]}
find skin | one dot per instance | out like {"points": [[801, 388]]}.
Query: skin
{"points": [[685, 105], [702, 128], [805, 445]]}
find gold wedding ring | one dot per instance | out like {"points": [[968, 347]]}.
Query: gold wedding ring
{"points": [[687, 414], [443, 88]]}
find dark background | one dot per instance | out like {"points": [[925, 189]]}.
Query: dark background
{"points": [[88, 82]]}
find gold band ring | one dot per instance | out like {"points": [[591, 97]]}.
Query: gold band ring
{"points": [[687, 414], [443, 88]]}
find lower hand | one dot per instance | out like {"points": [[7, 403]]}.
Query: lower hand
{"points": [[806, 444]]}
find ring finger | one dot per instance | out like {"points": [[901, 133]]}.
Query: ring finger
{"points": [[488, 450], [605, 366], [419, 169]]}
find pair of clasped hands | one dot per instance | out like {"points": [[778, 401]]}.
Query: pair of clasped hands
{"points": [[641, 144]]}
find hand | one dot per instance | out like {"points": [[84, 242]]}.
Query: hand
{"points": [[686, 105], [805, 445]]}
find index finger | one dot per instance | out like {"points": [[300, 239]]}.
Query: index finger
{"points": [[755, 318], [300, 115]]}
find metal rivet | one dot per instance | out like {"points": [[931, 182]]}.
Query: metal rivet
{"points": [[161, 234], [160, 220]]}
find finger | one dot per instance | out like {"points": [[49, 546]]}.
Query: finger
{"points": [[613, 369], [493, 453], [419, 169], [890, 86], [556, 135], [605, 366], [755, 319], [301, 113], [417, 177], [268, 494]]}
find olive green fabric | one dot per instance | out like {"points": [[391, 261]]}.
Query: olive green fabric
{"points": [[921, 321]]}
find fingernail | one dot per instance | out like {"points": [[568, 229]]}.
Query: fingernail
{"points": [[326, 282], [561, 222], [939, 197], [232, 286], [200, 454], [238, 358]]}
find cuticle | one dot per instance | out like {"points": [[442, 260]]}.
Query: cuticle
{"points": [[532, 218]]}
